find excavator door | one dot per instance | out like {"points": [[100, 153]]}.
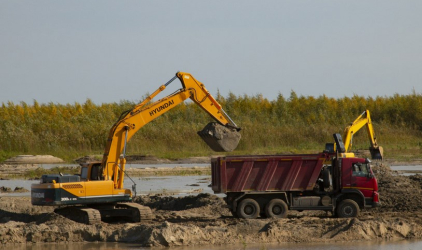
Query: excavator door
{"points": [[220, 138]]}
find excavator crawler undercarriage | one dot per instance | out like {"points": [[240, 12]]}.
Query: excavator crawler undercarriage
{"points": [[130, 212]]}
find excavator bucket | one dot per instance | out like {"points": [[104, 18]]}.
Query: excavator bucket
{"points": [[376, 153], [220, 138]]}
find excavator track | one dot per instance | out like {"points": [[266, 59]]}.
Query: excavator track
{"points": [[138, 213], [92, 216], [129, 211], [84, 215]]}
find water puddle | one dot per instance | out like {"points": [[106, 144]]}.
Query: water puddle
{"points": [[129, 165], [408, 170]]}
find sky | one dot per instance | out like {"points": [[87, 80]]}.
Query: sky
{"points": [[110, 51]]}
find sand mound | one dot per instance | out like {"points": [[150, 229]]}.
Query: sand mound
{"points": [[33, 159]]}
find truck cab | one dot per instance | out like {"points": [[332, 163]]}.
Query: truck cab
{"points": [[357, 177]]}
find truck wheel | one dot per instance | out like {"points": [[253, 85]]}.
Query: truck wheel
{"points": [[276, 208], [248, 209], [348, 209]]}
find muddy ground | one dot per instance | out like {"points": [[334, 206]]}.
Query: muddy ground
{"points": [[204, 219]]}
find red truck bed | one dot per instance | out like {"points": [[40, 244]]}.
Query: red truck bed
{"points": [[266, 172]]}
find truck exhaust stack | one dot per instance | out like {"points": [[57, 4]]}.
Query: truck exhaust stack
{"points": [[220, 138]]}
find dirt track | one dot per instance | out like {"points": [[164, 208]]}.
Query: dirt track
{"points": [[203, 219]]}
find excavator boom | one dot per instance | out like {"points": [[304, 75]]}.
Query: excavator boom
{"points": [[220, 136]]}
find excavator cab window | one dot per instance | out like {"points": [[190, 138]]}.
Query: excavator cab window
{"points": [[95, 172], [84, 173]]}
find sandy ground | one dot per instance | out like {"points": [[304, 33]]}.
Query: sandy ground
{"points": [[204, 219]]}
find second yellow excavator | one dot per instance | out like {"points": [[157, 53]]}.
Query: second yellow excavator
{"points": [[97, 192], [363, 120]]}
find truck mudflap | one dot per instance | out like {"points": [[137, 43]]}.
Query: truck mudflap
{"points": [[376, 204], [374, 201], [220, 138]]}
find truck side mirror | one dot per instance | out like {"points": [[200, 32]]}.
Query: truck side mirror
{"points": [[368, 168], [329, 148]]}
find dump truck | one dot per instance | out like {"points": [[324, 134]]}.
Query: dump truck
{"points": [[98, 192], [271, 185]]}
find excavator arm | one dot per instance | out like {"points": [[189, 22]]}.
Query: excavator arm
{"points": [[363, 120], [223, 136], [98, 192]]}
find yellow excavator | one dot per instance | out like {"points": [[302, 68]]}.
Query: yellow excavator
{"points": [[363, 120], [97, 193]]}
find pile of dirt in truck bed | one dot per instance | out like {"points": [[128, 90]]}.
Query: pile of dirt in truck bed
{"points": [[204, 219]]}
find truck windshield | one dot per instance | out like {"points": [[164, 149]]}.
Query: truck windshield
{"points": [[360, 169]]}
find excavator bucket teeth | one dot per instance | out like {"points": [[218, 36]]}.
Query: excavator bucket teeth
{"points": [[220, 138], [376, 153]]}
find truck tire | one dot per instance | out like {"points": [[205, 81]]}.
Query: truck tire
{"points": [[248, 209], [348, 209], [276, 208]]}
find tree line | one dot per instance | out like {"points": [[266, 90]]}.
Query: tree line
{"points": [[293, 124]]}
